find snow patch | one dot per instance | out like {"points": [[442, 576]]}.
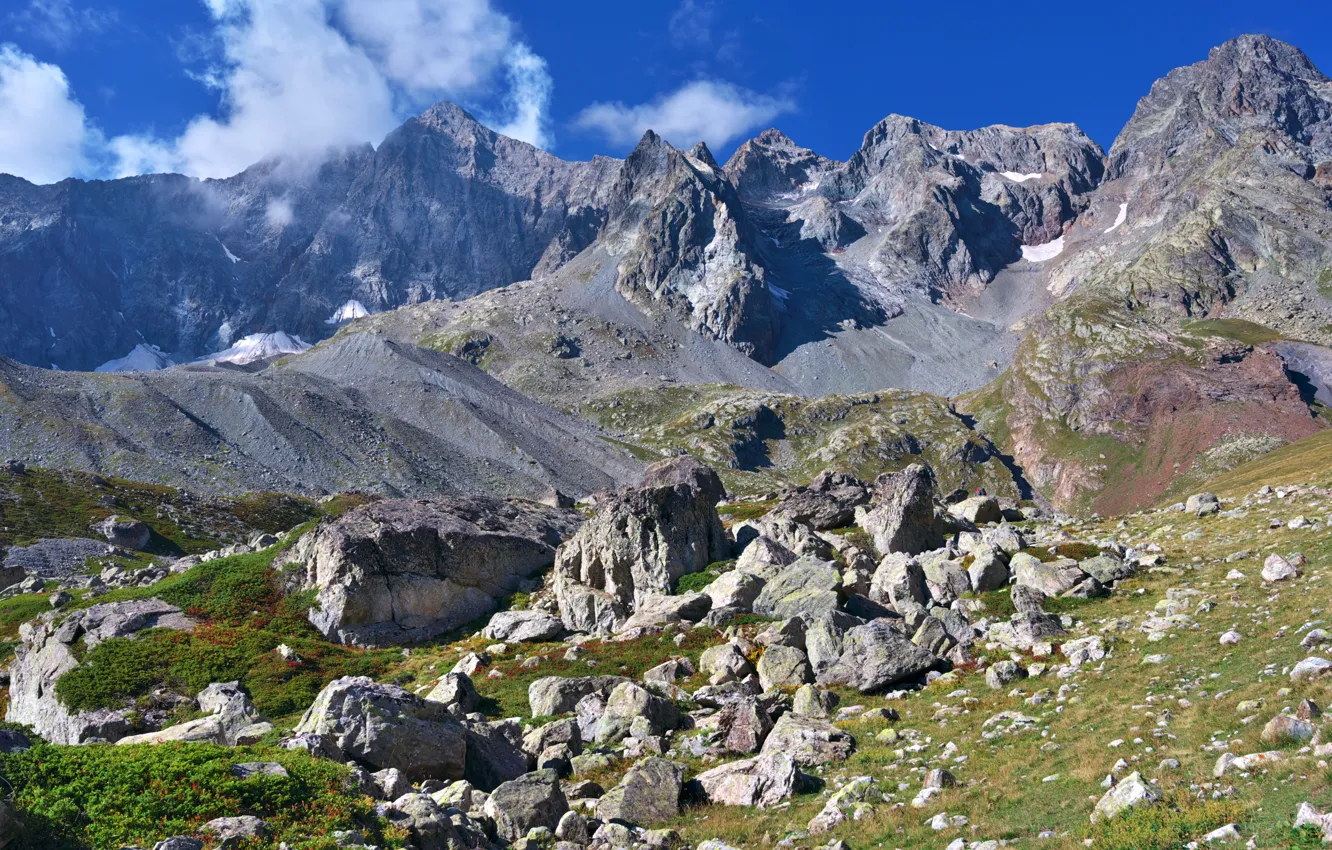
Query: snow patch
{"points": [[257, 347], [1041, 253], [1119, 219], [227, 251], [353, 309], [143, 358], [1021, 178]]}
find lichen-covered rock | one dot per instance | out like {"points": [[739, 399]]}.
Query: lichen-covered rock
{"points": [[782, 667], [830, 501], [808, 587], [648, 793], [553, 695], [901, 517], [523, 626], [530, 801], [639, 543], [1131, 792], [1053, 578], [808, 741], [762, 782], [45, 653], [875, 656], [229, 715], [403, 570], [386, 726]]}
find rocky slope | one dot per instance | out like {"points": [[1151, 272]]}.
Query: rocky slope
{"points": [[359, 413]]}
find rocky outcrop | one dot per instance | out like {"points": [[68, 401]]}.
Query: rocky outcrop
{"points": [[229, 719], [384, 726], [397, 571], [875, 656], [530, 801], [901, 517], [648, 793], [639, 543], [46, 652], [762, 782]]}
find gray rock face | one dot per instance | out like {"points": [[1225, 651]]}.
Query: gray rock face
{"points": [[875, 656], [456, 691], [744, 724], [648, 793], [639, 544], [523, 626], [761, 782], [830, 501], [45, 654], [385, 726], [807, 587], [527, 802], [554, 695], [396, 571], [630, 701], [783, 666], [228, 833], [426, 821], [1052, 578], [125, 532], [808, 741], [658, 609], [230, 719], [901, 518], [899, 580]]}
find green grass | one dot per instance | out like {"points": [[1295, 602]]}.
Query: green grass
{"points": [[1168, 826], [1300, 462], [243, 619], [695, 582], [72, 798], [1239, 330]]}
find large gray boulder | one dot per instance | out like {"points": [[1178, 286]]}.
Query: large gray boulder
{"points": [[630, 701], [762, 782], [658, 609], [527, 802], [426, 821], [808, 741], [830, 501], [552, 695], [782, 667], [648, 793], [875, 656], [385, 726], [229, 718], [639, 543], [899, 580], [735, 589], [46, 651], [405, 570], [808, 587], [523, 626], [126, 532], [1053, 578], [901, 516]]}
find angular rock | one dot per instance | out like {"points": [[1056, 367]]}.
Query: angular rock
{"points": [[762, 782], [807, 587], [397, 571], [386, 726], [648, 793], [978, 510], [1053, 578], [657, 609], [783, 666], [1277, 568], [988, 571], [875, 656], [629, 702], [229, 714], [899, 581], [901, 517], [533, 800], [735, 589], [808, 741], [743, 725], [814, 702], [523, 626], [553, 695], [228, 833], [456, 691], [830, 501]]}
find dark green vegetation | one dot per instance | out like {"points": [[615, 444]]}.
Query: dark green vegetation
{"points": [[244, 618], [104, 796], [1175, 822], [40, 503], [695, 582]]}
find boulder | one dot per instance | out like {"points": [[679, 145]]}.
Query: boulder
{"points": [[553, 695], [830, 501], [764, 557], [590, 611], [725, 663], [456, 691], [814, 702], [428, 823], [1201, 504], [125, 532], [386, 726], [899, 580], [743, 725], [823, 640], [648, 793], [977, 510], [229, 716], [630, 701], [1004, 538], [657, 609], [523, 626], [1023, 631], [808, 741], [1107, 568], [762, 782], [494, 753], [401, 570], [1053, 578], [807, 587], [988, 571], [530, 801], [945, 580], [45, 653], [1277, 568], [901, 516], [228, 833], [1003, 673], [735, 589], [782, 667], [670, 671], [639, 543], [875, 656], [1130, 792]]}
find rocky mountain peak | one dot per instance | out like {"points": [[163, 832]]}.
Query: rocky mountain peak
{"points": [[1254, 82], [772, 164]]}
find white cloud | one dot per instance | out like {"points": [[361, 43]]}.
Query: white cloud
{"points": [[301, 77], [279, 213], [691, 23], [528, 101], [713, 112], [44, 133], [58, 23]]}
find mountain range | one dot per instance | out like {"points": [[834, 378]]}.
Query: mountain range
{"points": [[1112, 323]]}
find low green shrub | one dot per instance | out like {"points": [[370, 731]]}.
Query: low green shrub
{"points": [[74, 798], [1179, 819], [695, 582]]}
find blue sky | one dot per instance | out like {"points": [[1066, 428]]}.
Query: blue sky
{"points": [[100, 88]]}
